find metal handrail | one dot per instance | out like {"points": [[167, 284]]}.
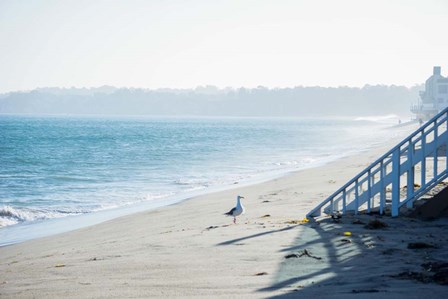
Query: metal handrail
{"points": [[380, 165]]}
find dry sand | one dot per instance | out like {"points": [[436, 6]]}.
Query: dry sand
{"points": [[192, 250]]}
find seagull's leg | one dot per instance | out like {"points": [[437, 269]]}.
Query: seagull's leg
{"points": [[234, 220]]}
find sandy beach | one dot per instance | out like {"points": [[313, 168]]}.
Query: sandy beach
{"points": [[192, 250]]}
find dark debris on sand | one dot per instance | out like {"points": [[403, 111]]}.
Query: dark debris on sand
{"points": [[305, 252], [211, 227], [376, 224], [365, 291], [433, 272], [420, 245]]}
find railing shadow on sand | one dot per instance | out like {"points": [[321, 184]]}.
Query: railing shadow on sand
{"points": [[368, 256]]}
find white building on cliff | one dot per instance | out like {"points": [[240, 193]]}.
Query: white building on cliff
{"points": [[434, 98]]}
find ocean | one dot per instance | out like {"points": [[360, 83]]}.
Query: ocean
{"points": [[59, 173]]}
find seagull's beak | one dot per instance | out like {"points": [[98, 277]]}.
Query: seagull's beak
{"points": [[241, 196]]}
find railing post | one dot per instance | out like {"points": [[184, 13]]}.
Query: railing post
{"points": [[435, 148], [411, 174], [344, 201], [395, 182], [382, 192], [332, 205], [356, 197], [369, 190], [423, 150], [446, 144]]}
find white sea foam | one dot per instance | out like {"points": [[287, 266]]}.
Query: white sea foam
{"points": [[389, 118], [301, 162], [191, 182], [153, 196]]}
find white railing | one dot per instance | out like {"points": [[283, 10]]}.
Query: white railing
{"points": [[399, 177]]}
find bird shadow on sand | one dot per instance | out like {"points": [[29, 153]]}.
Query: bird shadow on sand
{"points": [[234, 241], [342, 259]]}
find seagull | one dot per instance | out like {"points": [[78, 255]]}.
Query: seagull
{"points": [[236, 211]]}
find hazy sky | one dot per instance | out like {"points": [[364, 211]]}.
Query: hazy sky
{"points": [[184, 43]]}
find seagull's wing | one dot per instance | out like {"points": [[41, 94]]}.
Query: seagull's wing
{"points": [[230, 213]]}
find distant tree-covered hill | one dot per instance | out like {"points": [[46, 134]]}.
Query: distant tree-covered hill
{"points": [[211, 101]]}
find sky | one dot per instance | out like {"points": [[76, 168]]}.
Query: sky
{"points": [[188, 43]]}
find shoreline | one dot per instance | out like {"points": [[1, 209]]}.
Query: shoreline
{"points": [[191, 249], [54, 226]]}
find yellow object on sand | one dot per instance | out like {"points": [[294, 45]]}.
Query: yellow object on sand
{"points": [[348, 234], [304, 220]]}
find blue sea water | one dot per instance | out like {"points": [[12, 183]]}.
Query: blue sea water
{"points": [[57, 167]]}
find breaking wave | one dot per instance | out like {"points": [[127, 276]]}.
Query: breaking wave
{"points": [[10, 215]]}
